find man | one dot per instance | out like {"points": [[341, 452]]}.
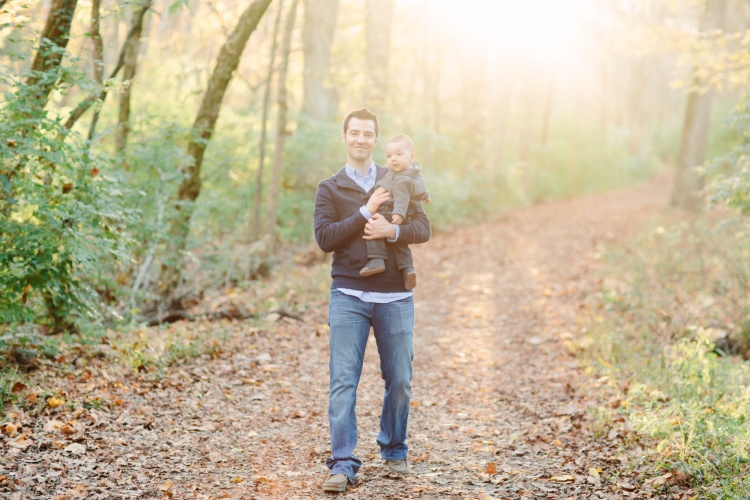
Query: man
{"points": [[345, 216]]}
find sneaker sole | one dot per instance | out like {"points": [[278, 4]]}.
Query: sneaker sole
{"points": [[335, 487], [369, 272]]}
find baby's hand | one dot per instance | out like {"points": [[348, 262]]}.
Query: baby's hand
{"points": [[397, 219]]}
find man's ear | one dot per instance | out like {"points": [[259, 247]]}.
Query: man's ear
{"points": [[343, 137]]}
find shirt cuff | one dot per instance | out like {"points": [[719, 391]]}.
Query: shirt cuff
{"points": [[398, 231], [365, 213]]}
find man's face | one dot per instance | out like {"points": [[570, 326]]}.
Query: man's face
{"points": [[360, 140], [398, 156]]}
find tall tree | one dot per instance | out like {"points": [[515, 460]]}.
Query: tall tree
{"points": [[52, 44], [378, 22], [96, 37], [203, 127], [278, 154], [688, 181], [320, 99], [128, 74], [264, 125], [101, 95]]}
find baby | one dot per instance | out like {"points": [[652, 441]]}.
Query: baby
{"points": [[405, 183]]}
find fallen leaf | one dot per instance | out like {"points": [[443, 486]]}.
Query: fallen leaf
{"points": [[67, 430], [166, 486], [557, 443], [568, 409], [59, 445], [31, 399], [563, 479], [53, 425], [594, 472], [18, 387], [491, 468], [11, 430], [21, 442], [55, 402], [76, 448], [626, 486], [237, 480]]}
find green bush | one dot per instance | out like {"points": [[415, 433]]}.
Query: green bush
{"points": [[60, 217], [673, 306]]}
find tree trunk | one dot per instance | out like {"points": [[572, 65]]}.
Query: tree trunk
{"points": [[96, 37], [205, 121], [278, 153], [264, 127], [547, 112], [128, 73], [320, 100], [101, 96], [378, 22], [52, 44], [688, 181]]}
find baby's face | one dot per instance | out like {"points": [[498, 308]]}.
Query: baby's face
{"points": [[398, 156]]}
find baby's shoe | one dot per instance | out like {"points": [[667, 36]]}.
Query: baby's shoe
{"points": [[375, 266], [410, 277]]}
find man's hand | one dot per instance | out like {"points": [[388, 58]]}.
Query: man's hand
{"points": [[397, 219], [378, 197], [378, 227]]}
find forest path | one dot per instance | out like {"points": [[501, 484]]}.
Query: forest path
{"points": [[499, 404]]}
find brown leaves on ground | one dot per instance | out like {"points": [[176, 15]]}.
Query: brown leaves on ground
{"points": [[500, 408]]}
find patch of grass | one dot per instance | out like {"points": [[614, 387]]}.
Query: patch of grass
{"points": [[8, 379], [673, 306]]}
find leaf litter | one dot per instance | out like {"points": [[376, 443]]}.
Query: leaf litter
{"points": [[499, 403]]}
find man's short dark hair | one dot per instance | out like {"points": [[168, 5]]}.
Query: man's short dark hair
{"points": [[362, 114]]}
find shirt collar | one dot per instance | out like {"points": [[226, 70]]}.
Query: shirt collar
{"points": [[355, 173]]}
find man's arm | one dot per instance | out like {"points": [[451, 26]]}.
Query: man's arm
{"points": [[331, 233], [418, 230]]}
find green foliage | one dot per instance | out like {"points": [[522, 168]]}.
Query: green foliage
{"points": [[696, 408], [673, 305], [59, 216], [731, 172], [8, 379]]}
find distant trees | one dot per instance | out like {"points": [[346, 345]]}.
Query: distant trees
{"points": [[694, 141], [320, 98], [378, 25], [203, 127], [52, 43]]}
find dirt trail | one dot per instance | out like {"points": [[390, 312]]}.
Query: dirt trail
{"points": [[494, 388]]}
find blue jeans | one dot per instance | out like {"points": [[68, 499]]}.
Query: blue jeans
{"points": [[350, 320]]}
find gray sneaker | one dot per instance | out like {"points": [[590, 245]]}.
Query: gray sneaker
{"points": [[400, 467], [375, 266], [336, 483]]}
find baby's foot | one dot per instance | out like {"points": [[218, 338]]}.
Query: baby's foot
{"points": [[375, 266], [410, 278]]}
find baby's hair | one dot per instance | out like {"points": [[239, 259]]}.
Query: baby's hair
{"points": [[403, 139]]}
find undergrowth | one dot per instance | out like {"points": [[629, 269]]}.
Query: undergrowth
{"points": [[672, 322]]}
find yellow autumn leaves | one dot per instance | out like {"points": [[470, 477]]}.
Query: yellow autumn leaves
{"points": [[25, 212]]}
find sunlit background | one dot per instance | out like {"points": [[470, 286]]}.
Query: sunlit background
{"points": [[509, 102]]}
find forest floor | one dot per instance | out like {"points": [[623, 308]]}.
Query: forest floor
{"points": [[501, 408]]}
